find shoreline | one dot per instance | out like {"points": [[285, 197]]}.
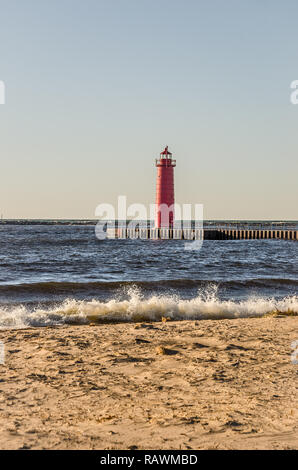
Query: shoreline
{"points": [[220, 384]]}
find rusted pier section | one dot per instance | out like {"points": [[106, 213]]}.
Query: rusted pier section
{"points": [[201, 234]]}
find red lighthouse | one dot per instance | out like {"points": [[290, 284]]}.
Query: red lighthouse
{"points": [[165, 190]]}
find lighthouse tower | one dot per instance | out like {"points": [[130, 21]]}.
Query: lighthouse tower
{"points": [[165, 190]]}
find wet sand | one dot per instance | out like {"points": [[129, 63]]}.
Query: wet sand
{"points": [[214, 384]]}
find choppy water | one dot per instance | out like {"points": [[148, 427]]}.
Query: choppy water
{"points": [[52, 274]]}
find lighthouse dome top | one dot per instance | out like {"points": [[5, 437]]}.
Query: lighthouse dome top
{"points": [[166, 152]]}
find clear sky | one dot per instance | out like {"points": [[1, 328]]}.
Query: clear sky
{"points": [[95, 89]]}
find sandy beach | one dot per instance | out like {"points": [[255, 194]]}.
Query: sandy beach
{"points": [[214, 384]]}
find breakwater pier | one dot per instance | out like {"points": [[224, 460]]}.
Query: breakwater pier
{"points": [[200, 234], [210, 232]]}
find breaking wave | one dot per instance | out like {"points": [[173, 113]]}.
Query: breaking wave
{"points": [[137, 307]]}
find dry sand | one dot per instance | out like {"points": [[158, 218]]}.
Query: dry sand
{"points": [[214, 384]]}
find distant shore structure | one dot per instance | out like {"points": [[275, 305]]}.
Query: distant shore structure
{"points": [[165, 197]]}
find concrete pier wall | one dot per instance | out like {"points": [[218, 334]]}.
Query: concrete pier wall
{"points": [[200, 234]]}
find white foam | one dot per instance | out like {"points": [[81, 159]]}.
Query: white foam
{"points": [[206, 305]]}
